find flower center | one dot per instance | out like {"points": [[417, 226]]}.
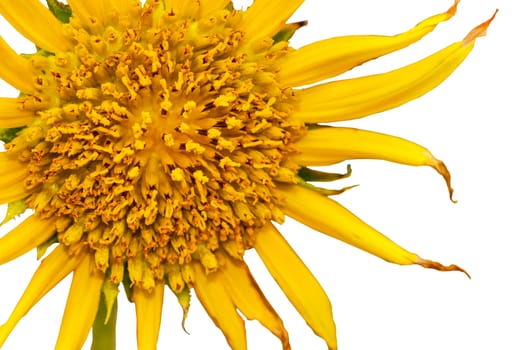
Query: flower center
{"points": [[160, 141]]}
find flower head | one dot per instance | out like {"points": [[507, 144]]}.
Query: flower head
{"points": [[155, 143]]}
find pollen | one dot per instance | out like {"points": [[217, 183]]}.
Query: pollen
{"points": [[156, 142]]}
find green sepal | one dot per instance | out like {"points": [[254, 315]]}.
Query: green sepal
{"points": [[321, 190], [39, 52], [104, 326], [287, 31], [61, 11], [7, 135], [308, 174], [184, 298], [127, 285], [41, 249], [314, 126], [14, 209], [110, 292]]}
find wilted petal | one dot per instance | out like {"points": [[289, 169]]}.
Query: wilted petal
{"points": [[360, 97], [330, 145], [331, 57]]}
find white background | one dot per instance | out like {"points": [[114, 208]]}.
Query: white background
{"points": [[474, 122]]}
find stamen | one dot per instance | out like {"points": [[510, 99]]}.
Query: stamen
{"points": [[158, 142]]}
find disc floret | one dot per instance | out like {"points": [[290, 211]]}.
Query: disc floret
{"points": [[160, 140]]}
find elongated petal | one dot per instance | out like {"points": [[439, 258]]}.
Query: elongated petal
{"points": [[34, 21], [29, 234], [264, 18], [12, 173], [297, 282], [217, 302], [360, 97], [89, 12], [212, 6], [331, 57], [148, 315], [81, 306], [13, 193], [329, 145], [53, 269], [125, 7], [184, 7], [11, 116], [14, 69], [250, 300], [329, 217]]}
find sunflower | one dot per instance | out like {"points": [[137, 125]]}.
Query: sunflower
{"points": [[155, 143]]}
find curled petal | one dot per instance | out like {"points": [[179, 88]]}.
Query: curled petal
{"points": [[330, 145], [331, 57], [336, 221], [360, 97]]}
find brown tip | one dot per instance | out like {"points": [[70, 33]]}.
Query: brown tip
{"points": [[184, 318], [429, 264], [300, 24], [442, 170], [478, 31], [453, 9]]}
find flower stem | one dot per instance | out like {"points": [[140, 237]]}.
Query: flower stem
{"points": [[104, 329]]}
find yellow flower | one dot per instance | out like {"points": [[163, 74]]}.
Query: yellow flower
{"points": [[156, 143]]}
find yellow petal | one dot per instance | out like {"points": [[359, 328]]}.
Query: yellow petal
{"points": [[29, 234], [34, 21], [183, 7], [81, 306], [90, 12], [359, 97], [297, 282], [329, 217], [249, 299], [212, 6], [329, 145], [264, 18], [51, 271], [12, 172], [11, 115], [13, 193], [14, 69], [148, 315], [217, 302], [125, 7], [331, 57]]}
